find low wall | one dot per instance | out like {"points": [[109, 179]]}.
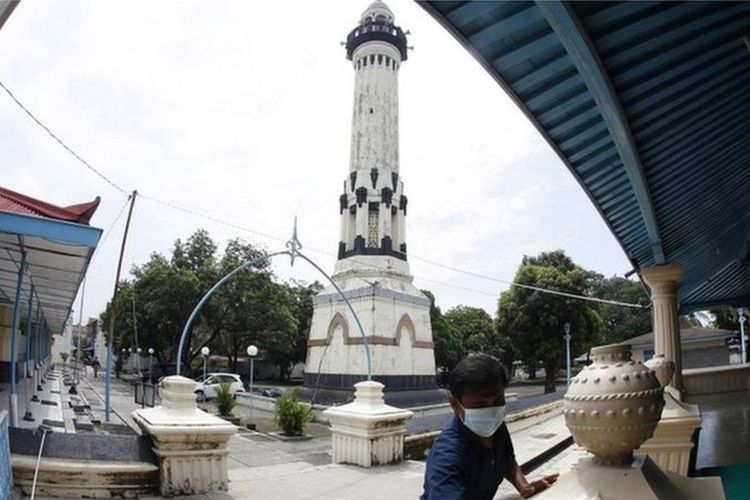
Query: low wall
{"points": [[257, 401], [416, 446], [84, 465], [716, 379]]}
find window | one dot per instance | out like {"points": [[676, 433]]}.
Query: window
{"points": [[372, 229]]}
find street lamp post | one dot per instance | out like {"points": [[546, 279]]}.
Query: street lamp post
{"points": [[252, 351], [150, 364], [138, 361], [205, 351], [567, 350], [130, 359], [741, 312]]}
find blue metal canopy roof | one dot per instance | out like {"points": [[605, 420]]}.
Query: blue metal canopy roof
{"points": [[648, 105]]}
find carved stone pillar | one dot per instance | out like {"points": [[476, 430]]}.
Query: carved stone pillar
{"points": [[663, 283], [190, 443], [367, 432]]}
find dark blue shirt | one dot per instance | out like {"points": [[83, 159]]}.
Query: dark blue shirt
{"points": [[460, 467]]}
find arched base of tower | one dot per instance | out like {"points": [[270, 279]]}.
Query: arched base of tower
{"points": [[401, 391]]}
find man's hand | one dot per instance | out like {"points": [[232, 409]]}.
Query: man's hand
{"points": [[531, 488]]}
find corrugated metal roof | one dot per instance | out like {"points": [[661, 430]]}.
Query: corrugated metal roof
{"points": [[11, 201], [687, 336], [648, 104], [55, 243]]}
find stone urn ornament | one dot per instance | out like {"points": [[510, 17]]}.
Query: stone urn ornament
{"points": [[663, 367], [613, 405]]}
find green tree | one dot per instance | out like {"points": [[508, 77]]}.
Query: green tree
{"points": [[620, 322], [239, 306], [449, 347], [478, 333], [300, 296], [534, 321], [725, 318], [252, 307]]}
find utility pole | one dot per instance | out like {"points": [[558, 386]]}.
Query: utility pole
{"points": [[108, 374], [77, 373], [567, 350]]}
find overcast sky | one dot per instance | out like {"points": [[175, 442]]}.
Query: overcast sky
{"points": [[242, 111]]}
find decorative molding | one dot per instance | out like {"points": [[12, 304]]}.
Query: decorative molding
{"points": [[374, 251], [656, 275], [339, 320], [369, 292]]}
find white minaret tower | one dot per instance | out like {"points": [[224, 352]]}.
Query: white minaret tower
{"points": [[372, 269]]}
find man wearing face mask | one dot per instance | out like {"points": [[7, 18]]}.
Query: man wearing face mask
{"points": [[474, 453]]}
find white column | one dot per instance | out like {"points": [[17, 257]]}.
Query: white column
{"points": [[190, 444], [666, 326], [367, 432], [401, 227]]}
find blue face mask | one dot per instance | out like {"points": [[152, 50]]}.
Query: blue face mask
{"points": [[484, 421]]}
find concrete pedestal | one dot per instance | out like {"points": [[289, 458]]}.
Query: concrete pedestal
{"points": [[672, 443], [642, 479], [191, 445], [367, 432]]}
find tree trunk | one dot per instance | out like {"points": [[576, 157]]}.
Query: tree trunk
{"points": [[235, 355], [531, 367], [550, 372]]}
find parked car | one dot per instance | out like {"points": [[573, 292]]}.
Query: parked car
{"points": [[272, 392], [206, 389]]}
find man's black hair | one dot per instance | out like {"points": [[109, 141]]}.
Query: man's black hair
{"points": [[477, 372]]}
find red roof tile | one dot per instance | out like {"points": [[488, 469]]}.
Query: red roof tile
{"points": [[11, 201]]}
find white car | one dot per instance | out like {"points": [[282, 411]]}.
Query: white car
{"points": [[207, 389]]}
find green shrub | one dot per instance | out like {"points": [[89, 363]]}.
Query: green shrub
{"points": [[291, 416], [224, 399]]}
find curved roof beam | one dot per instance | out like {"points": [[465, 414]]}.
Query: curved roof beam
{"points": [[582, 52]]}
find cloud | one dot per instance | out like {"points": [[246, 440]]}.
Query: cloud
{"points": [[243, 110]]}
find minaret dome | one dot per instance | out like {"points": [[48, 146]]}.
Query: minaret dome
{"points": [[377, 12], [376, 24]]}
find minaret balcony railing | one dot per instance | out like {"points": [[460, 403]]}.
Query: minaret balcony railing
{"points": [[369, 32]]}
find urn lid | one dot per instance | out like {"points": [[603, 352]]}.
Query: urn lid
{"points": [[611, 353]]}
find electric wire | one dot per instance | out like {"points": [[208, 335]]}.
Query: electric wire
{"points": [[530, 287], [199, 213], [59, 141]]}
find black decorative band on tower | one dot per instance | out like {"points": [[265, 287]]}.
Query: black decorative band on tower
{"points": [[374, 177], [342, 203], [361, 195], [372, 250], [387, 196], [370, 31]]}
